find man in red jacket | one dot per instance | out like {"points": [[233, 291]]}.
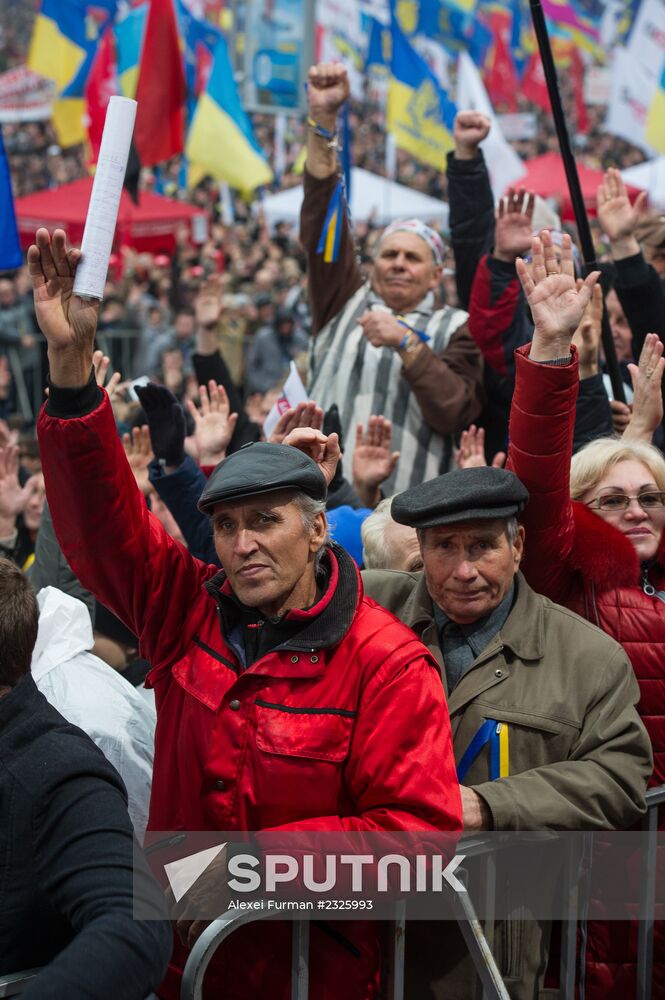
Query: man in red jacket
{"points": [[286, 699]]}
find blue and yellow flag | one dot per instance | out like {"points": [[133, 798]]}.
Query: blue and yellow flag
{"points": [[420, 114], [220, 139], [129, 33], [63, 46], [656, 117], [11, 255]]}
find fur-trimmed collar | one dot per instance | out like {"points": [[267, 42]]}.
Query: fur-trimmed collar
{"points": [[605, 557]]}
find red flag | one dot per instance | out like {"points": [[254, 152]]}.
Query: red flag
{"points": [[577, 77], [160, 119], [101, 84], [534, 85], [500, 75]]}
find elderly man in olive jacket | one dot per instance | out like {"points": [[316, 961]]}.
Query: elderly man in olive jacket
{"points": [[556, 693]]}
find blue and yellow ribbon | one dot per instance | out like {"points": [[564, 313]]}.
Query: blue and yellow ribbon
{"points": [[496, 734]]}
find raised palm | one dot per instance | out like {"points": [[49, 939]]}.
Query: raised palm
{"points": [[213, 424], [557, 304], [65, 319], [373, 462], [615, 213], [514, 225]]}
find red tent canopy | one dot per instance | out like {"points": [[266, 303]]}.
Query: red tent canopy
{"points": [[150, 226], [545, 176]]}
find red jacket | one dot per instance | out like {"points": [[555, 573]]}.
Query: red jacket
{"points": [[579, 560], [330, 731]]}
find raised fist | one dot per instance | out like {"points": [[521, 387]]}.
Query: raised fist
{"points": [[327, 89]]}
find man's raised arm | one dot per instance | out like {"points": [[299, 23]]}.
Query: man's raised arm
{"points": [[115, 547], [332, 284]]}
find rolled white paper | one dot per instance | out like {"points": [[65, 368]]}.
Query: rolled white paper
{"points": [[105, 198]]}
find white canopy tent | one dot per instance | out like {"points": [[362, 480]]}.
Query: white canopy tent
{"points": [[649, 176], [371, 195]]}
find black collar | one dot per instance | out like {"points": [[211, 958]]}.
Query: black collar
{"points": [[322, 626]]}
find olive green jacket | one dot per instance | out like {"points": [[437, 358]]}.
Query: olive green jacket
{"points": [[579, 755]]}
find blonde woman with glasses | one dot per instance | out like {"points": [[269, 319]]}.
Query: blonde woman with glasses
{"points": [[595, 530]]}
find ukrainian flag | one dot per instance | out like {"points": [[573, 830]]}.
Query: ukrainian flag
{"points": [[420, 114], [220, 138], [129, 33], [656, 118], [63, 46]]}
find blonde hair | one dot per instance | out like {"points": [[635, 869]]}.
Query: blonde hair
{"points": [[592, 461]]}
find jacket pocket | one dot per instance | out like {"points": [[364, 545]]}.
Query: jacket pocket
{"points": [[316, 733]]}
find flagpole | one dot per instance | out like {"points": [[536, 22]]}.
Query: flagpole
{"points": [[574, 187]]}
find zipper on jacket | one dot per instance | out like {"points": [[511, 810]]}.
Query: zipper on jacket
{"points": [[647, 587]]}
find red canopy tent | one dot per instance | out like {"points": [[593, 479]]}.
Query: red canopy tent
{"points": [[545, 176], [150, 226]]}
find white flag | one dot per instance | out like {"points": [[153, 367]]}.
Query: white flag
{"points": [[630, 98], [504, 165]]}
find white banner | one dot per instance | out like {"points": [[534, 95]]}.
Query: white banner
{"points": [[632, 89], [25, 96], [339, 37]]}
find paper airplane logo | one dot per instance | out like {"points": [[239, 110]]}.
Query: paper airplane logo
{"points": [[182, 874]]}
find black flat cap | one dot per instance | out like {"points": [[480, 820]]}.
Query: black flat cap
{"points": [[261, 468], [461, 495]]}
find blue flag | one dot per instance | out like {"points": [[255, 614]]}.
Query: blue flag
{"points": [[11, 255]]}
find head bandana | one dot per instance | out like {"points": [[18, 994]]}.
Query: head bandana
{"points": [[431, 238]]}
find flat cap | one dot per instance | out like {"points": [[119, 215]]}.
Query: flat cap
{"points": [[261, 468], [461, 495]]}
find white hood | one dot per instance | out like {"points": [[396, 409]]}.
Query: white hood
{"points": [[65, 630]]}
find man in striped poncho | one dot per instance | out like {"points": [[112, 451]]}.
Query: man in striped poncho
{"points": [[381, 346]]}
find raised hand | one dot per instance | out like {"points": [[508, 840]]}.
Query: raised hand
{"points": [[324, 450], [373, 461], [469, 130], [587, 336], [327, 89], [647, 379], [303, 415], [557, 304], [67, 321], [138, 450], [13, 497], [166, 422], [101, 364], [213, 423], [514, 225], [208, 303], [616, 214], [5, 377], [471, 452]]}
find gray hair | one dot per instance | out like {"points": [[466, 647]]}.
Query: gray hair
{"points": [[373, 534], [309, 509]]}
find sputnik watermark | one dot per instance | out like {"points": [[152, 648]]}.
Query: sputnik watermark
{"points": [[317, 873]]}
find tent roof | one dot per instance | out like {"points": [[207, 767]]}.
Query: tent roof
{"points": [[545, 175], [151, 225], [371, 195]]}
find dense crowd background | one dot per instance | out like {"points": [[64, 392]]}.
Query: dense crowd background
{"points": [[252, 277]]}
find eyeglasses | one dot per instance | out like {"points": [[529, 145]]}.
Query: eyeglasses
{"points": [[620, 501]]}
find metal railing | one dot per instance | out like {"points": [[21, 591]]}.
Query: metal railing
{"points": [[478, 939]]}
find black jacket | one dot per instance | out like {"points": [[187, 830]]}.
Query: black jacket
{"points": [[66, 864]]}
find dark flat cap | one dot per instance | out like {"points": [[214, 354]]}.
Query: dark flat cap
{"points": [[261, 468], [461, 495]]}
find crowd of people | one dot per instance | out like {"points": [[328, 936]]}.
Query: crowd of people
{"points": [[430, 598]]}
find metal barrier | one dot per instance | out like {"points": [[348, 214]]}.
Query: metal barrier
{"points": [[479, 941]]}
